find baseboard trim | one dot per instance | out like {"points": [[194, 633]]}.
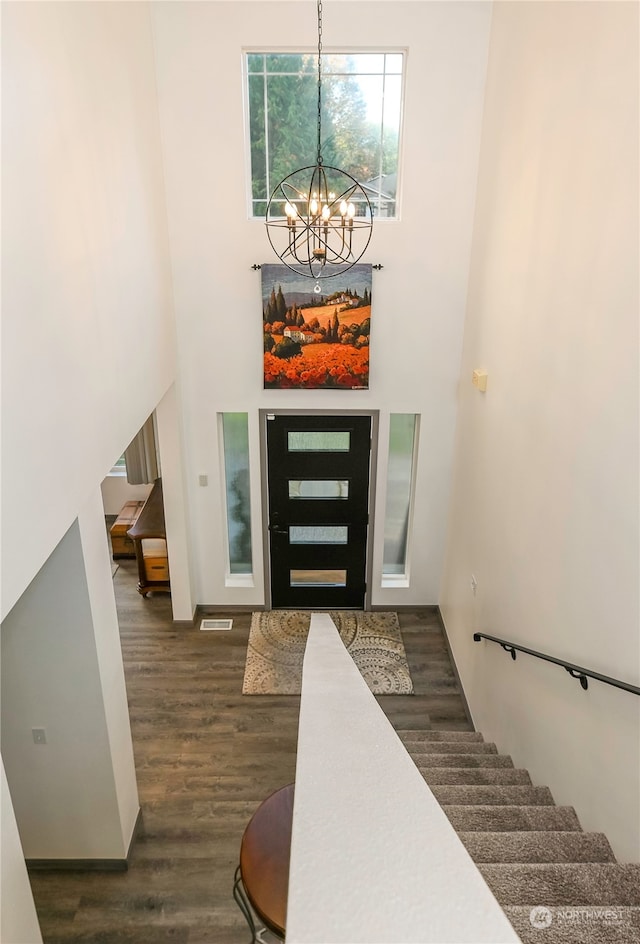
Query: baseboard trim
{"points": [[391, 608], [465, 703], [210, 609], [77, 865]]}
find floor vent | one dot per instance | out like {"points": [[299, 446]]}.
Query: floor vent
{"points": [[216, 624]]}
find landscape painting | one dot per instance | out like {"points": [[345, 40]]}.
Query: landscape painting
{"points": [[316, 341]]}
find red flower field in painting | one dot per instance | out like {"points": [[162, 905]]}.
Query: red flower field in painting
{"points": [[319, 365]]}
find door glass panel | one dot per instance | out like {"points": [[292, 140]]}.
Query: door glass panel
{"points": [[318, 578], [319, 441], [318, 534], [318, 488]]}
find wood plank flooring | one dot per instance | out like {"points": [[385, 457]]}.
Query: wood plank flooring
{"points": [[206, 756]]}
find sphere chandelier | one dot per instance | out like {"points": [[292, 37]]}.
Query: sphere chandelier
{"points": [[319, 219]]}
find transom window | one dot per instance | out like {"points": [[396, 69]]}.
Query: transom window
{"points": [[361, 113]]}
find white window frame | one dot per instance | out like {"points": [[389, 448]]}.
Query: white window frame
{"points": [[330, 51]]}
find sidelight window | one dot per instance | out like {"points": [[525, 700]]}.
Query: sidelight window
{"points": [[235, 437], [403, 437]]}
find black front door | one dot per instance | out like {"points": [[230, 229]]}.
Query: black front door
{"points": [[318, 482]]}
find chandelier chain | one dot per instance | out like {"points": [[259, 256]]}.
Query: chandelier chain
{"points": [[319, 79], [327, 220]]}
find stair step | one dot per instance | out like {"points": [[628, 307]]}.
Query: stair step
{"points": [[537, 846], [474, 775], [461, 760], [498, 795], [417, 735], [585, 883], [512, 818], [577, 926], [450, 747]]}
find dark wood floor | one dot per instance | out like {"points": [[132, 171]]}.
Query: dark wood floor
{"points": [[205, 758]]}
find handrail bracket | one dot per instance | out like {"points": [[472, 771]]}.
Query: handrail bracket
{"points": [[578, 675]]}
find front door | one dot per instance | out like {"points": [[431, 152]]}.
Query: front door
{"points": [[318, 508]]}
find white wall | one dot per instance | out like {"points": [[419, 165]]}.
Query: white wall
{"points": [[544, 508], [116, 491], [96, 550], [18, 919], [419, 296], [74, 796], [87, 337], [171, 453], [88, 348]]}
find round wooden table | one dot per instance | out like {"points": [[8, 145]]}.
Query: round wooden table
{"points": [[264, 859]]}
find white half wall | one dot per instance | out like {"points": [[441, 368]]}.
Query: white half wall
{"points": [[418, 298], [545, 503], [365, 820], [88, 347]]}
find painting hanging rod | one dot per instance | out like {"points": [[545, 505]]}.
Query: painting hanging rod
{"points": [[255, 267]]}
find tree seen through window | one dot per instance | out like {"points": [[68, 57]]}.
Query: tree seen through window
{"points": [[361, 106]]}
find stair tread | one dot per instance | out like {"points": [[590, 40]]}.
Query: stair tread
{"points": [[461, 760], [483, 817], [537, 846], [474, 775], [418, 735], [450, 747], [575, 926], [561, 883], [496, 794]]}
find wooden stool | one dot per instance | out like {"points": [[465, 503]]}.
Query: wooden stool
{"points": [[263, 873]]}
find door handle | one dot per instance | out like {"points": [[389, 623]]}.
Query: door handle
{"points": [[276, 529]]}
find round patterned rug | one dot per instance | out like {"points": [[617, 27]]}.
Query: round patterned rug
{"points": [[278, 638]]}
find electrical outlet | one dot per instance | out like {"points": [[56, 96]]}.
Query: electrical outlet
{"points": [[474, 584], [39, 735]]}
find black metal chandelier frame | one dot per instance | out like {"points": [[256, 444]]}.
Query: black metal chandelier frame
{"points": [[320, 235]]}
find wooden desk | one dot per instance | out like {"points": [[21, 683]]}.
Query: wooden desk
{"points": [[264, 858], [150, 540]]}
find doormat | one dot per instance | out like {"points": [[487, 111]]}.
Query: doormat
{"points": [[278, 638]]}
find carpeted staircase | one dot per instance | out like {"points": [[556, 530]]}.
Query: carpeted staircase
{"points": [[532, 853]]}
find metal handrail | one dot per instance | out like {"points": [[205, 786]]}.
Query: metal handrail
{"points": [[575, 671]]}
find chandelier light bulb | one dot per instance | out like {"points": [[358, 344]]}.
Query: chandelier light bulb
{"points": [[343, 208], [313, 207], [351, 211], [326, 212]]}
